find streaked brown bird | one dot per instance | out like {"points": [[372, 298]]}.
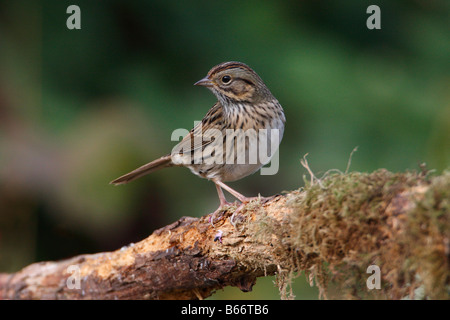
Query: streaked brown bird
{"points": [[234, 139]]}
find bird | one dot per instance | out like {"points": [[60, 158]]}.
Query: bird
{"points": [[229, 143]]}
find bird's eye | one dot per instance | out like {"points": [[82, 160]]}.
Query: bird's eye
{"points": [[226, 79]]}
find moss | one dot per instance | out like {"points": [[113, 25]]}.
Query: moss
{"points": [[429, 230], [347, 222]]}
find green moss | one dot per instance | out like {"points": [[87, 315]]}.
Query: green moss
{"points": [[348, 222]]}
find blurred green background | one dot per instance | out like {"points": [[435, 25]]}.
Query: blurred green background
{"points": [[78, 108]]}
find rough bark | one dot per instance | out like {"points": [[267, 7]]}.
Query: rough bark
{"points": [[332, 229]]}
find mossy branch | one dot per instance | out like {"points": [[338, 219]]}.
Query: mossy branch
{"points": [[333, 229]]}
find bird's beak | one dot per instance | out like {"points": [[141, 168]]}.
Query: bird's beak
{"points": [[205, 82]]}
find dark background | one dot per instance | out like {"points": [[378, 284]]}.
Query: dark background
{"points": [[78, 108]]}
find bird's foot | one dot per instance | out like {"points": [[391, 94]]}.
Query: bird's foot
{"points": [[221, 209]]}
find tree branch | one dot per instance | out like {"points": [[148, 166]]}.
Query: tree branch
{"points": [[333, 230]]}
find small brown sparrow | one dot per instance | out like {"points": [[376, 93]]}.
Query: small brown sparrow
{"points": [[224, 145]]}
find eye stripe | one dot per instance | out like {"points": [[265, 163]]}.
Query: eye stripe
{"points": [[247, 81]]}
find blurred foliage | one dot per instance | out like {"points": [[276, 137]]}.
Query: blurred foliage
{"points": [[81, 107]]}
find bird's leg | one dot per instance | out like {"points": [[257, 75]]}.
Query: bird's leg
{"points": [[236, 194], [222, 199], [223, 203], [239, 196]]}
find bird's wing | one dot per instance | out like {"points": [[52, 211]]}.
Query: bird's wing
{"points": [[203, 134]]}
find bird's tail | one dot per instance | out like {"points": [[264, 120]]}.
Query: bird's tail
{"points": [[157, 164]]}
